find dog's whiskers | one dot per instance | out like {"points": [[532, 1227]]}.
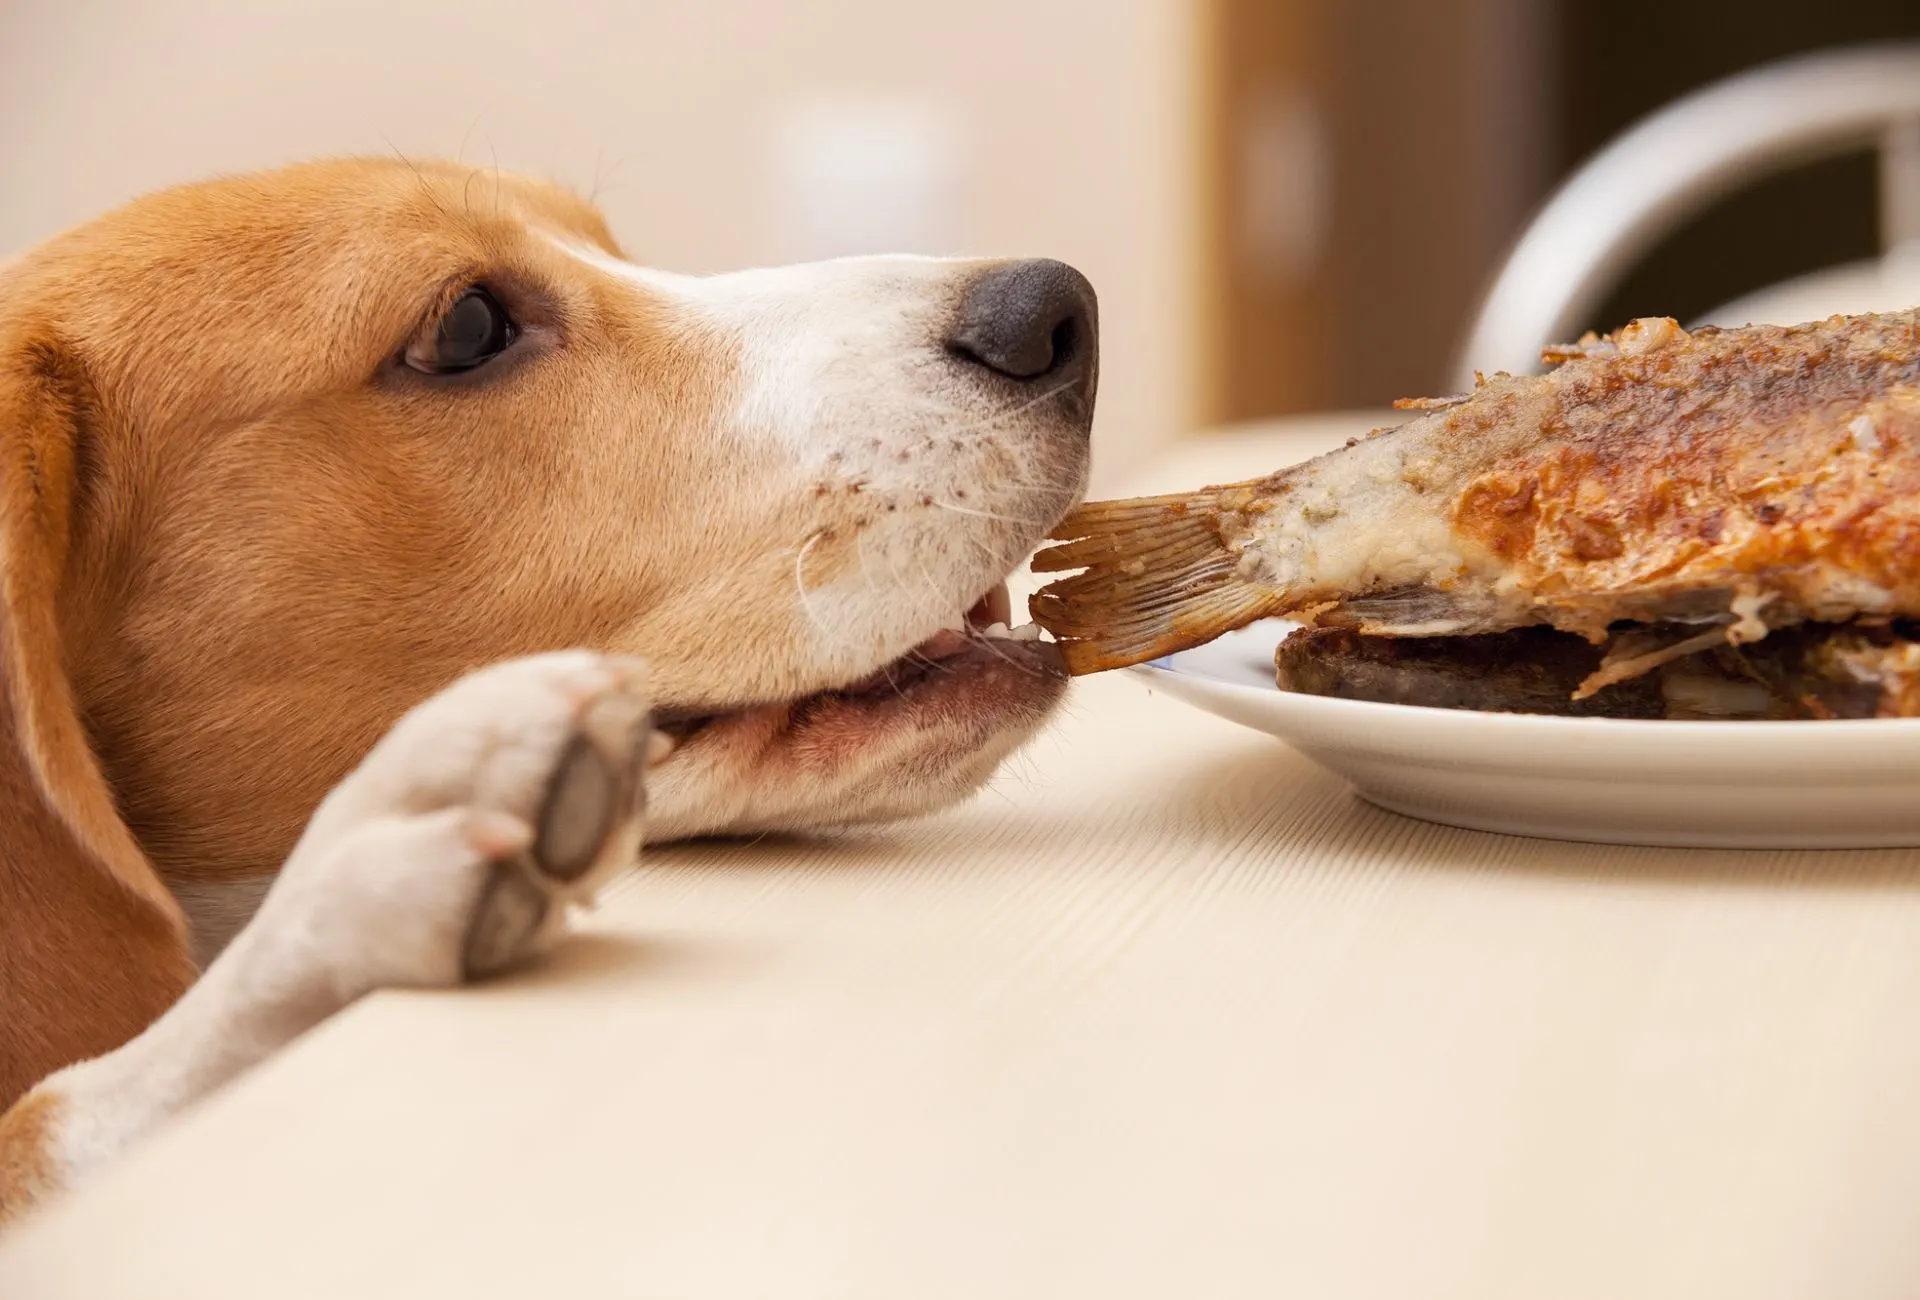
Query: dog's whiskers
{"points": [[800, 589], [989, 421]]}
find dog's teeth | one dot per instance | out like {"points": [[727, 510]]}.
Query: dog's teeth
{"points": [[1025, 632], [995, 630]]}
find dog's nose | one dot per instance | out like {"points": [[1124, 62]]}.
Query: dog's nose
{"points": [[1028, 320]]}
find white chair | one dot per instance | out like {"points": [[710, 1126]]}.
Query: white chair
{"points": [[1701, 147]]}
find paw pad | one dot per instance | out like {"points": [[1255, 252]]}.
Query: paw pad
{"points": [[585, 825]]}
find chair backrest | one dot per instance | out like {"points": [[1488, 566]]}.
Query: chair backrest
{"points": [[1674, 163]]}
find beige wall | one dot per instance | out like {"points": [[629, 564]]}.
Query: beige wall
{"points": [[716, 133]]}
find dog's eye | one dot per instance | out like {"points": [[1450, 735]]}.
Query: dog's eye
{"points": [[475, 330]]}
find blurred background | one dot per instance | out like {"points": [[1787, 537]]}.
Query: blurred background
{"points": [[1286, 205]]}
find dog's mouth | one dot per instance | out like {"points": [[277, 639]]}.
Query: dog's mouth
{"points": [[981, 662]]}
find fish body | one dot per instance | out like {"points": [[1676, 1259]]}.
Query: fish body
{"points": [[1720, 483]]}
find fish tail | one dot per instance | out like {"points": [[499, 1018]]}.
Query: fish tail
{"points": [[1158, 574]]}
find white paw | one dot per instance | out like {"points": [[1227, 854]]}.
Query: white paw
{"points": [[457, 846]]}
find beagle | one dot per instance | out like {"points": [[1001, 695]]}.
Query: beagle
{"points": [[383, 556]]}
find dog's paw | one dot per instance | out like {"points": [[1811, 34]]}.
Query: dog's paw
{"points": [[457, 846]]}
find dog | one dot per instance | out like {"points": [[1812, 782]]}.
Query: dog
{"points": [[384, 557]]}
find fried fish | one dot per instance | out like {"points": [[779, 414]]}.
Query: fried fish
{"points": [[1658, 495]]}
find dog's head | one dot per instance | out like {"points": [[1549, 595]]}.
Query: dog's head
{"points": [[285, 454]]}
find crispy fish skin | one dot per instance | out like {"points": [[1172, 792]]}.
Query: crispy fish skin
{"points": [[1752, 478]]}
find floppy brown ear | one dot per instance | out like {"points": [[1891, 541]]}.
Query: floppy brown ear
{"points": [[92, 946]]}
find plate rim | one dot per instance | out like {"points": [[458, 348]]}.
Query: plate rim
{"points": [[1749, 785]]}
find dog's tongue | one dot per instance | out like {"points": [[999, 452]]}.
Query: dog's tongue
{"points": [[994, 607]]}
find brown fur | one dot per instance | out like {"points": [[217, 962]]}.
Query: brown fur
{"points": [[194, 497], [94, 945], [26, 1172]]}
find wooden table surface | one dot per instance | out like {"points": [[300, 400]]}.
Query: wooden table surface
{"points": [[1164, 1013]]}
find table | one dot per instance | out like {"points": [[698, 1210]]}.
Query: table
{"points": [[1164, 1013]]}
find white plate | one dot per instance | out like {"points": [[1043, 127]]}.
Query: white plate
{"points": [[1691, 784]]}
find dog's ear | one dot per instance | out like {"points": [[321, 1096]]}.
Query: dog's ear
{"points": [[92, 945]]}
